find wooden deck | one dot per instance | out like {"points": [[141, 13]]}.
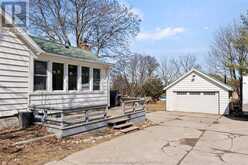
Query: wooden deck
{"points": [[66, 122]]}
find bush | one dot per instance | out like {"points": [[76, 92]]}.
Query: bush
{"points": [[153, 87]]}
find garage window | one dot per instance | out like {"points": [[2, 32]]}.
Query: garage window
{"points": [[194, 93], [209, 93], [181, 93]]}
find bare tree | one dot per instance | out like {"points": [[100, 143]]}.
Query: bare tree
{"points": [[106, 25], [187, 63], [223, 51], [168, 71], [171, 69], [134, 70]]}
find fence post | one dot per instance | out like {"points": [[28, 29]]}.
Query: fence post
{"points": [[86, 116], [106, 112], [123, 106]]}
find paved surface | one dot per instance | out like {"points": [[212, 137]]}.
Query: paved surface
{"points": [[175, 139]]}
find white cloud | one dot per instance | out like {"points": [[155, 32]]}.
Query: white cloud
{"points": [[138, 12], [160, 33]]}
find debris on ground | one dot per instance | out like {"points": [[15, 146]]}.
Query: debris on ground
{"points": [[50, 148]]}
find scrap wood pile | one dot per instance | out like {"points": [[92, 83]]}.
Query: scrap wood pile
{"points": [[9, 137]]}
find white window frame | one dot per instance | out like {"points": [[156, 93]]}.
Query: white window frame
{"points": [[47, 83]]}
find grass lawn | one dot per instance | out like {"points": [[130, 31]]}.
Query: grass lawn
{"points": [[158, 106]]}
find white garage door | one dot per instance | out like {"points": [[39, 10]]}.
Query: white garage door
{"points": [[203, 102]]}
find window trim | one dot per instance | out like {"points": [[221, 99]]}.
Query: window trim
{"points": [[100, 86], [63, 86], [81, 82], [49, 78], [47, 73], [73, 90]]}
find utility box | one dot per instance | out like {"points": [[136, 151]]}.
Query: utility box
{"points": [[25, 119]]}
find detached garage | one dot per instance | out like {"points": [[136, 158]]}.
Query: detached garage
{"points": [[198, 92]]}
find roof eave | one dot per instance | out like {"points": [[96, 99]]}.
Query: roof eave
{"points": [[22, 35], [228, 88], [109, 65]]}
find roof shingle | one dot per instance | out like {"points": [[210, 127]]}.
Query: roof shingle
{"points": [[59, 49]]}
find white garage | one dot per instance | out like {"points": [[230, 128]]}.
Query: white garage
{"points": [[198, 92]]}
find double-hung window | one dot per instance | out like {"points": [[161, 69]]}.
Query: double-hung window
{"points": [[58, 76], [40, 75], [96, 79], [72, 77], [85, 78]]}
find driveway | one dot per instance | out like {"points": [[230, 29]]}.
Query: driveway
{"points": [[175, 139]]}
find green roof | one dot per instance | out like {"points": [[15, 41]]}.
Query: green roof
{"points": [[59, 49]]}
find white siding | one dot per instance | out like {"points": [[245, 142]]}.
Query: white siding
{"points": [[199, 84], [14, 71], [63, 99], [16, 80], [245, 92]]}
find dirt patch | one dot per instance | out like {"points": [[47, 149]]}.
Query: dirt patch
{"points": [[189, 141], [154, 107], [49, 149]]}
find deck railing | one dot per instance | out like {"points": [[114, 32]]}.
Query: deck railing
{"points": [[66, 117], [130, 106]]}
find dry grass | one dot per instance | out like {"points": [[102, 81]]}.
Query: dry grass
{"points": [[158, 106], [51, 148]]}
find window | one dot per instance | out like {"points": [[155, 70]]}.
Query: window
{"points": [[181, 93], [96, 79], [40, 75], [58, 76], [85, 78], [72, 77]]}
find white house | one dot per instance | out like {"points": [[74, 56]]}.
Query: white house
{"points": [[38, 72], [245, 93], [198, 92]]}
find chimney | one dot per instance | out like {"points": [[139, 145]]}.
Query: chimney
{"points": [[85, 45]]}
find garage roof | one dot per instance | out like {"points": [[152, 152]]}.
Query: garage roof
{"points": [[211, 79]]}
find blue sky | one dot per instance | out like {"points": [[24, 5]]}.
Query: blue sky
{"points": [[180, 27]]}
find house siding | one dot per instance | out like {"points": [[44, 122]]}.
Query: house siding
{"points": [[200, 84], [14, 74]]}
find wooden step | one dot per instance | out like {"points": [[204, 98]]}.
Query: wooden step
{"points": [[129, 129], [121, 126], [118, 120]]}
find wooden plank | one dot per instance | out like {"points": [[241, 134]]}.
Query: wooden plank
{"points": [[121, 126], [13, 84], [130, 129], [13, 45], [14, 51], [10, 68], [14, 56], [13, 101], [14, 62], [6, 78], [12, 90], [65, 97], [13, 73], [67, 101], [13, 107], [13, 95]]}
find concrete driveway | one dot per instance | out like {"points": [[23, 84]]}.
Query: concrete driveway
{"points": [[175, 139]]}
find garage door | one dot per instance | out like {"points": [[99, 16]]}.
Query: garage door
{"points": [[203, 102]]}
